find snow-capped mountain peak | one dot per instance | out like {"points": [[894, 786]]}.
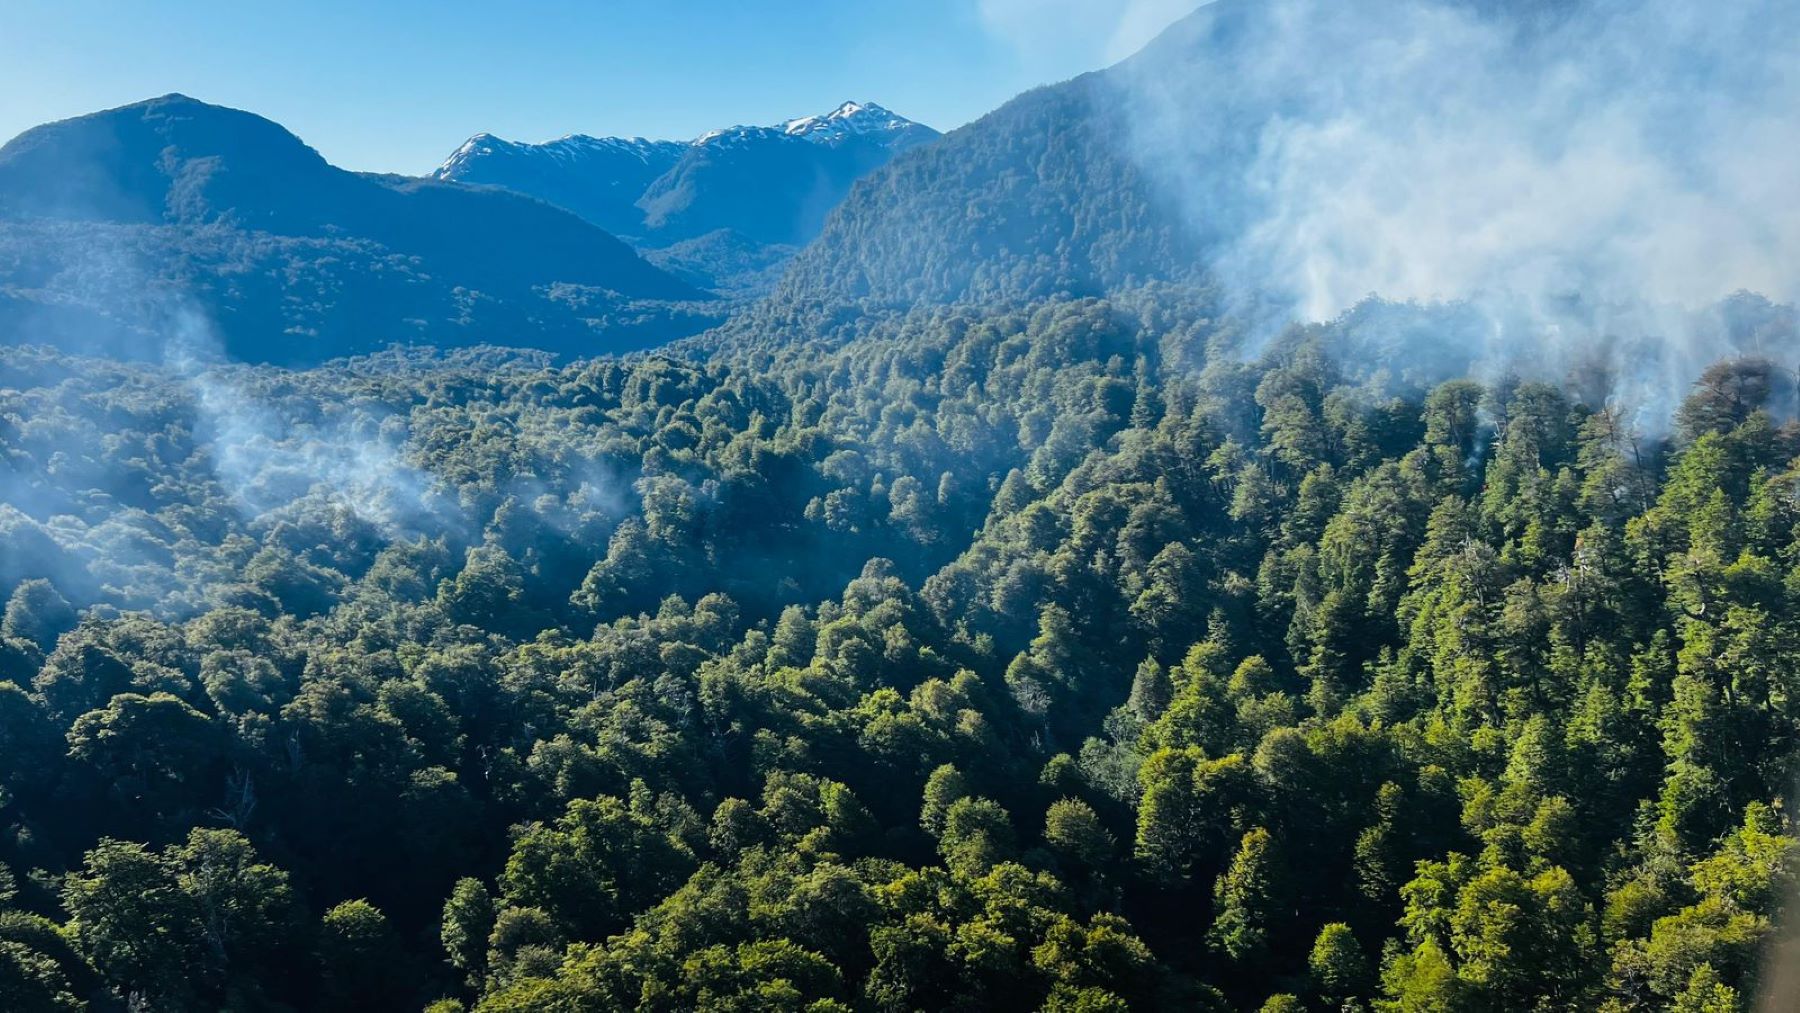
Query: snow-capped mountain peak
{"points": [[863, 120], [851, 119], [739, 134], [475, 147], [571, 148], [769, 184]]}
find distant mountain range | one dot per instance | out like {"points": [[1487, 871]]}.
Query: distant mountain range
{"points": [[114, 224], [728, 207], [124, 227], [591, 245]]}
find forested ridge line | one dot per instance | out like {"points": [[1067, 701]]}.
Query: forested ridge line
{"points": [[1064, 657]]}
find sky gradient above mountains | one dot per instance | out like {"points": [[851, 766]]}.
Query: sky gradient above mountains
{"points": [[380, 87]]}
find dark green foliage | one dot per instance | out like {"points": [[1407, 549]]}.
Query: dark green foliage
{"points": [[1010, 660], [361, 966]]}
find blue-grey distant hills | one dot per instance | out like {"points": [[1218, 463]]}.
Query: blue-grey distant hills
{"points": [[120, 228], [725, 210]]}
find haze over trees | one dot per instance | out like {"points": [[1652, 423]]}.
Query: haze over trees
{"points": [[1000, 616], [985, 661]]}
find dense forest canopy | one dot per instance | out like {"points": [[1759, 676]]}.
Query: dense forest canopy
{"points": [[1015, 610], [1074, 657]]}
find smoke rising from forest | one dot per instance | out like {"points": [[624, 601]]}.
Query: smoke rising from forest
{"points": [[256, 443], [267, 463], [1593, 177]]}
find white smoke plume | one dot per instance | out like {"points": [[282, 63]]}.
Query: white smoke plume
{"points": [[349, 458], [1592, 175]]}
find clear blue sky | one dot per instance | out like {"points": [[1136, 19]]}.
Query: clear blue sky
{"points": [[395, 85]]}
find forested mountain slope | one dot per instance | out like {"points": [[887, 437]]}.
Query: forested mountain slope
{"points": [[1003, 661], [114, 225], [1059, 190], [1163, 166], [1036, 198]]}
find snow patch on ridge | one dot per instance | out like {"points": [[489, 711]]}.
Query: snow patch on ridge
{"points": [[849, 121]]}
